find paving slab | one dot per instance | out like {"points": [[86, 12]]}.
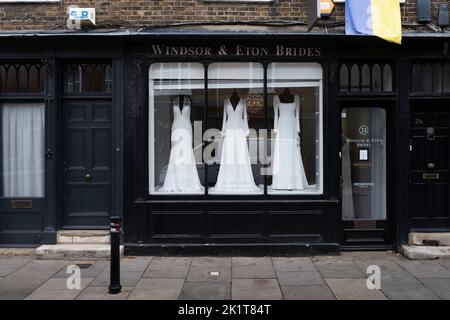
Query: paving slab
{"points": [[293, 264], [135, 264], [408, 292], [252, 268], [398, 278], [201, 268], [255, 289], [95, 268], [440, 287], [340, 271], [444, 262], [385, 265], [101, 293], [8, 264], [57, 289], [425, 269], [168, 267], [157, 289], [347, 256], [307, 278], [20, 283], [127, 279], [205, 290], [250, 261], [353, 289], [307, 293]]}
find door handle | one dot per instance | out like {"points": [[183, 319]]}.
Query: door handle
{"points": [[88, 177]]}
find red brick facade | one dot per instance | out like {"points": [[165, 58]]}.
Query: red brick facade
{"points": [[132, 13]]}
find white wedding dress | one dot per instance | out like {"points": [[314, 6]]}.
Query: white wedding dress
{"points": [[182, 175], [235, 172], [288, 172]]}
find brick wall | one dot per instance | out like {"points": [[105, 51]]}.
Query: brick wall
{"points": [[129, 13]]}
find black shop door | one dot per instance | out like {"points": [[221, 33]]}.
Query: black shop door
{"points": [[87, 163], [429, 180]]}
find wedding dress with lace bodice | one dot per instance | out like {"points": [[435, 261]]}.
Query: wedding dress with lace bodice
{"points": [[288, 172], [182, 175], [235, 172]]}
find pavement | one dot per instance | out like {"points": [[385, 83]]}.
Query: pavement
{"points": [[342, 277]]}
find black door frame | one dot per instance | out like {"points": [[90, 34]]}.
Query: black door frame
{"points": [[116, 131], [384, 228]]}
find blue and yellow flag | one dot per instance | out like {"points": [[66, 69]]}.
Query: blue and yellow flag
{"points": [[379, 18]]}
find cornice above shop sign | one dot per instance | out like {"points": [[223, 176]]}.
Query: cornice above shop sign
{"points": [[239, 50]]}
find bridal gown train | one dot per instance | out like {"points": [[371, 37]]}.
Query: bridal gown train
{"points": [[182, 175], [287, 165], [235, 172]]}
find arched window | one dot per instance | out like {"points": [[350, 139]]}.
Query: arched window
{"points": [[387, 78], [427, 78], [88, 78], [21, 78], [343, 78], [33, 77], [2, 78], [365, 78], [376, 78], [417, 77], [11, 79], [354, 78]]}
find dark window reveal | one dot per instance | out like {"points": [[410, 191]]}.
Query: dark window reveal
{"points": [[365, 77], [431, 77], [86, 78], [20, 78]]}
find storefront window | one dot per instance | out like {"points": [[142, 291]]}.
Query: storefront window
{"points": [[295, 122], [235, 145], [363, 163], [235, 120], [22, 149], [175, 116]]}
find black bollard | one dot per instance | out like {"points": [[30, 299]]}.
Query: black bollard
{"points": [[114, 284]]}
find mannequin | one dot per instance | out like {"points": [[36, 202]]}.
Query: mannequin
{"points": [[181, 175], [286, 96], [181, 105], [287, 164], [234, 99], [235, 172]]}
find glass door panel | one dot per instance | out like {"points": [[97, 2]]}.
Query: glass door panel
{"points": [[363, 163]]}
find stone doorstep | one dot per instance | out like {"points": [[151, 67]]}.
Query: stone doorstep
{"points": [[83, 236], [425, 252], [74, 251], [416, 238]]}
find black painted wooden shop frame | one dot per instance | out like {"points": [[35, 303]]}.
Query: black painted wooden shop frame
{"points": [[224, 223], [259, 224], [53, 53]]}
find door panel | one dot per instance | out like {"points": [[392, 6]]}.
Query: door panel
{"points": [[364, 176], [429, 179], [87, 163]]}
